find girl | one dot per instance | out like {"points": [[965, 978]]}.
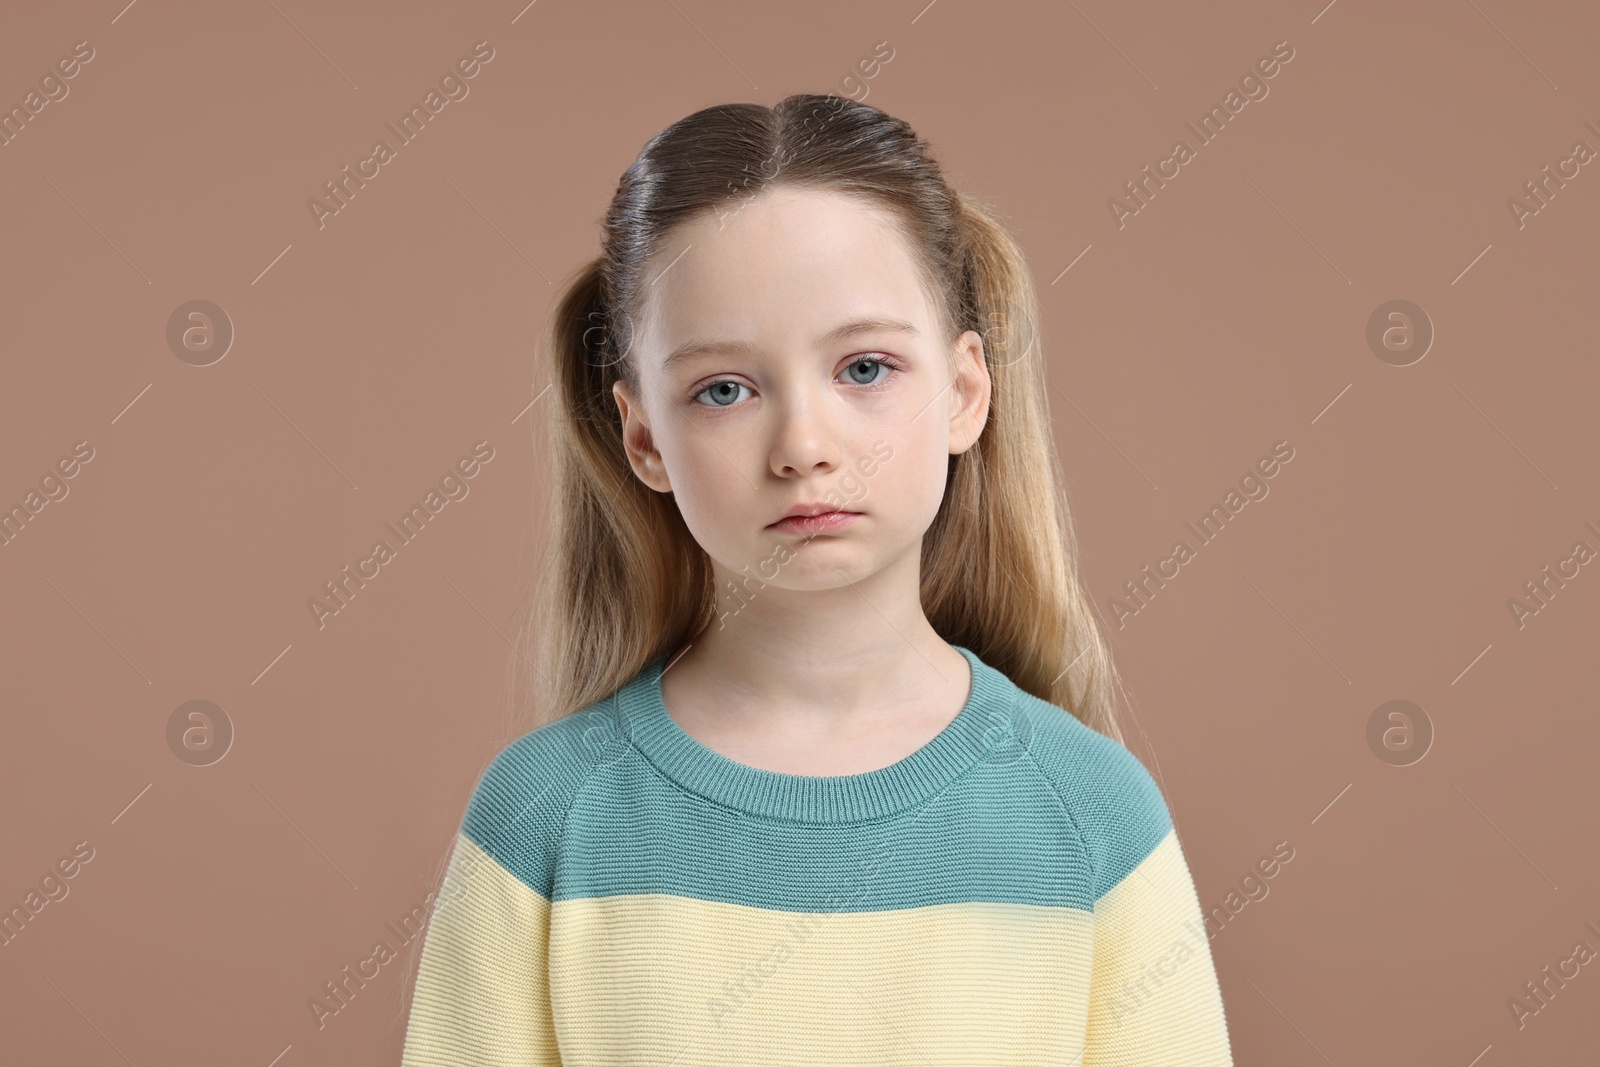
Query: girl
{"points": [[829, 769]]}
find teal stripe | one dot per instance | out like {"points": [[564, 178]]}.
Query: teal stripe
{"points": [[1017, 802]]}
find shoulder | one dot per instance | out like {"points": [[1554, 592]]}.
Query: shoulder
{"points": [[522, 798], [1109, 795]]}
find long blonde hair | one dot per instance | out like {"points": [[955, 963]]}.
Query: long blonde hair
{"points": [[624, 580]]}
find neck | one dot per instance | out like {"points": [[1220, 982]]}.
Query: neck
{"points": [[830, 652]]}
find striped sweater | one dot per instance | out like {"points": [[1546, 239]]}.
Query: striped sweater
{"points": [[1010, 893]]}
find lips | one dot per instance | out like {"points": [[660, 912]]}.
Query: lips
{"points": [[815, 521], [806, 508]]}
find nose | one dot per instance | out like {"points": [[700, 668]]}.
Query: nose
{"points": [[803, 441]]}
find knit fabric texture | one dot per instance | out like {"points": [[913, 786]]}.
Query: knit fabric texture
{"points": [[1011, 893]]}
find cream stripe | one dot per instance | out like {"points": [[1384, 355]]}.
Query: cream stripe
{"points": [[1155, 991], [481, 996], [664, 979]]}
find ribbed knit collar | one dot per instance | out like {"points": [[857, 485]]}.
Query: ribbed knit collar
{"points": [[984, 722]]}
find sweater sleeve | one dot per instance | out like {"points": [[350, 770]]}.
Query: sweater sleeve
{"points": [[482, 994], [1154, 997]]}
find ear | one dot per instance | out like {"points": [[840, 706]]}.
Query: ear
{"points": [[969, 390], [637, 441]]}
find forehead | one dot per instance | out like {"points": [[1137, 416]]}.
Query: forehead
{"points": [[785, 265]]}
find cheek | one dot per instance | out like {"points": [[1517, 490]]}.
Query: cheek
{"points": [[932, 473], [909, 485], [709, 491]]}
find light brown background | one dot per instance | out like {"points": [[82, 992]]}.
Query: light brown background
{"points": [[1228, 315]]}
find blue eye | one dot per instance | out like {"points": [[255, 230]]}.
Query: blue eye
{"points": [[720, 391], [874, 363]]}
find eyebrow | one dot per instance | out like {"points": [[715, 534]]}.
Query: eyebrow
{"points": [[843, 332]]}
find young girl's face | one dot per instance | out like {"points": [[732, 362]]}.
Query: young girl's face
{"points": [[787, 356]]}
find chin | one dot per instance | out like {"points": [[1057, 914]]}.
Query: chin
{"points": [[803, 567]]}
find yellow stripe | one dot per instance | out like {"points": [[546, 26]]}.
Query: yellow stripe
{"points": [[481, 996], [664, 979], [1155, 991]]}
